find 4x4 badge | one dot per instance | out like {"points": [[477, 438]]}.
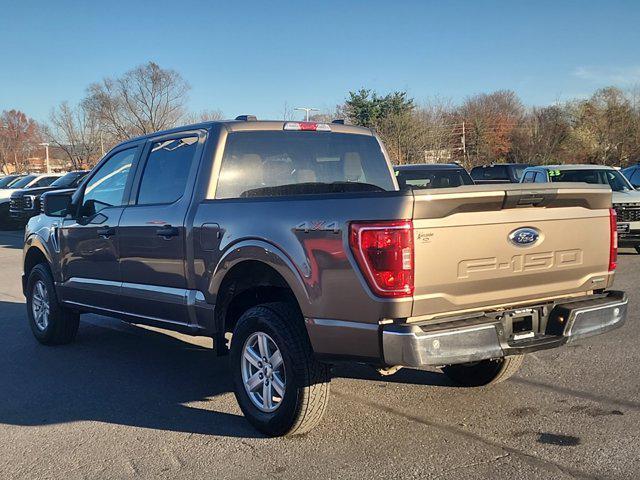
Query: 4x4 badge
{"points": [[318, 226]]}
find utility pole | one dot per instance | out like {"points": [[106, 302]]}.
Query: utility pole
{"points": [[307, 110], [46, 155], [464, 143]]}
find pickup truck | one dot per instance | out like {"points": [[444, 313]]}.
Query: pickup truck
{"points": [[25, 203], [498, 173], [291, 245], [625, 199]]}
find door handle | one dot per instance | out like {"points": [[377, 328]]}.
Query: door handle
{"points": [[167, 232], [106, 232]]}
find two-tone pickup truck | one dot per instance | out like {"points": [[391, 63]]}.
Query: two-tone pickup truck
{"points": [[291, 245]]}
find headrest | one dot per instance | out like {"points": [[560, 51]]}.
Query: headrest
{"points": [[352, 167], [305, 176]]}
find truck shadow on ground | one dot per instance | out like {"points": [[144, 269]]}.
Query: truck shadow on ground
{"points": [[127, 375], [12, 239], [130, 376]]}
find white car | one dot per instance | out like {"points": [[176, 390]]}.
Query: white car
{"points": [[626, 199], [28, 181]]}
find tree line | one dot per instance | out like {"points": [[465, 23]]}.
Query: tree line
{"points": [[497, 127], [484, 128]]}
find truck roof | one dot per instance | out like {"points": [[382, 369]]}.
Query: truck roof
{"points": [[428, 166], [574, 167], [253, 125]]}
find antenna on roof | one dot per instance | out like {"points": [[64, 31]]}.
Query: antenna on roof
{"points": [[247, 118]]}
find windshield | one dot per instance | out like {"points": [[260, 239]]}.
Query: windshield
{"points": [[23, 182], [6, 181], [276, 163], [418, 179], [597, 176], [518, 171], [493, 172], [71, 179]]}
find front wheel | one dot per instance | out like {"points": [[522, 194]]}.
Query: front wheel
{"points": [[279, 385], [637, 247], [485, 372], [50, 323]]}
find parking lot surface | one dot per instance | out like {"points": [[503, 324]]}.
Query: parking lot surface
{"points": [[129, 402]]}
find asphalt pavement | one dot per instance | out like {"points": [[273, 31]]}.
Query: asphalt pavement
{"points": [[129, 402]]}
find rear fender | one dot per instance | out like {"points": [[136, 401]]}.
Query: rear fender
{"points": [[267, 253]]}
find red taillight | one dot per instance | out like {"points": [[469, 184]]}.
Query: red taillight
{"points": [[613, 240], [384, 252]]}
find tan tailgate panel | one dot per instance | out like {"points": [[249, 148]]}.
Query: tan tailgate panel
{"points": [[465, 260]]}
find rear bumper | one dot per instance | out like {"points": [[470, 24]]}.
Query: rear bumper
{"points": [[483, 338]]}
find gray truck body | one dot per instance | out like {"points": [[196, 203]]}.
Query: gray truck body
{"points": [[218, 256]]}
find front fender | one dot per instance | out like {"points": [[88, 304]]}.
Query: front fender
{"points": [[39, 234]]}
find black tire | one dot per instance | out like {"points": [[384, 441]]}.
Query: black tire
{"points": [[62, 324], [306, 392], [485, 372], [637, 247]]}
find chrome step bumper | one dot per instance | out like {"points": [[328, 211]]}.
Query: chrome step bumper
{"points": [[483, 338]]}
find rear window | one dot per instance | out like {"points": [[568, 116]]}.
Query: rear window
{"points": [[613, 178], [494, 172], [71, 179], [5, 181], [23, 182], [277, 163], [518, 170], [419, 179]]}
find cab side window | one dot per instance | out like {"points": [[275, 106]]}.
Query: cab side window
{"points": [[635, 178], [541, 177], [165, 175], [45, 182], [106, 187], [528, 177]]}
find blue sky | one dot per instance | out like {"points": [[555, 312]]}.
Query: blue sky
{"points": [[252, 57]]}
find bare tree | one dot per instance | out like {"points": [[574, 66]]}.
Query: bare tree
{"points": [[203, 116], [19, 135], [76, 131], [440, 136], [144, 100], [287, 112], [490, 120], [542, 137]]}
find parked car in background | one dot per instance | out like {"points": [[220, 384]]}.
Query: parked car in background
{"points": [[437, 175], [633, 175], [498, 173], [7, 180], [28, 181], [626, 199], [25, 203]]}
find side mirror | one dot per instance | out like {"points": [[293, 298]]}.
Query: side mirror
{"points": [[56, 204]]}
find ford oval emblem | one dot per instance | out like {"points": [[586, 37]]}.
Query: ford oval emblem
{"points": [[524, 237]]}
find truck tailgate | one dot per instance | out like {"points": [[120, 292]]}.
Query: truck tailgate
{"points": [[467, 257]]}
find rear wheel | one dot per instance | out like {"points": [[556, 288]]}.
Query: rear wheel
{"points": [[485, 372], [280, 387], [50, 323]]}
